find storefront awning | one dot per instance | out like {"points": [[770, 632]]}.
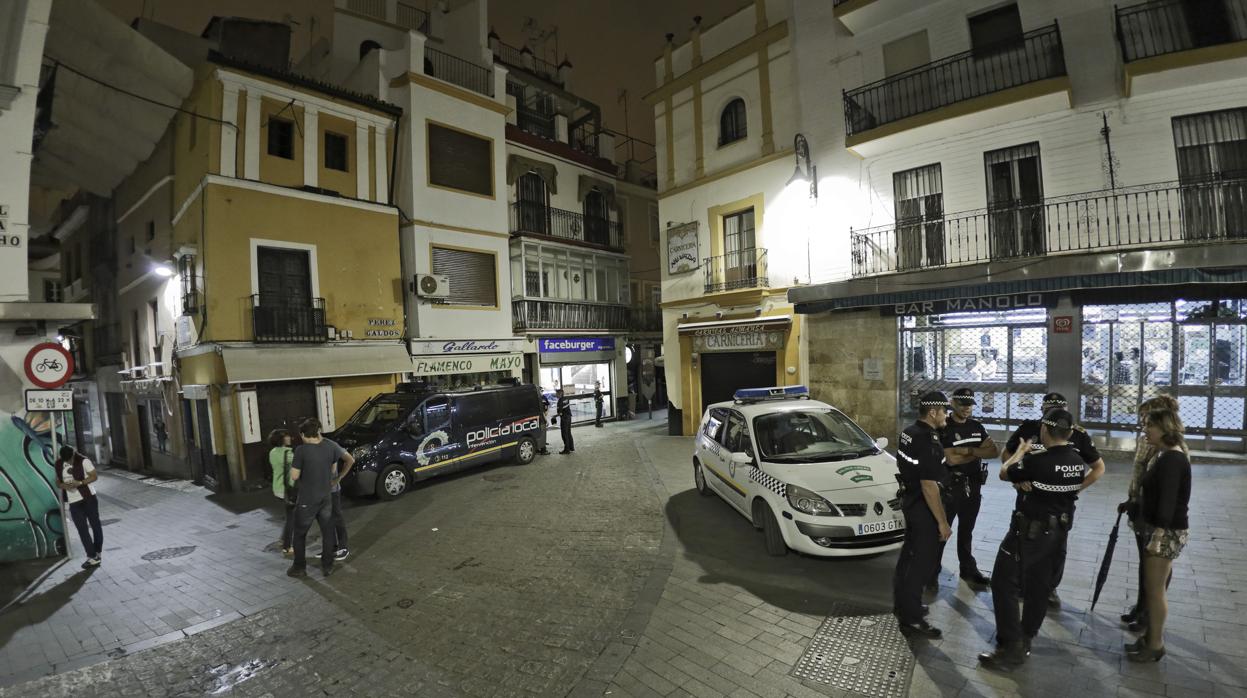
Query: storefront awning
{"points": [[769, 320], [265, 364]]}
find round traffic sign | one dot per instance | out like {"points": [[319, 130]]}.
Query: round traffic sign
{"points": [[48, 365]]}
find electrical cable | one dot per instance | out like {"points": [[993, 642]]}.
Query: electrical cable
{"points": [[58, 64]]}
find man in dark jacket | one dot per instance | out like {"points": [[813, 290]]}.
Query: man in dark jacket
{"points": [[563, 413]]}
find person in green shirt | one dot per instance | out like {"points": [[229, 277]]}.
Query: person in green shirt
{"points": [[280, 457]]}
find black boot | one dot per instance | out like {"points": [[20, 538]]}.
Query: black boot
{"points": [[922, 629], [1004, 656]]}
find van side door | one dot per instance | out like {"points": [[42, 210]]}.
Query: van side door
{"points": [[479, 420], [436, 449]]}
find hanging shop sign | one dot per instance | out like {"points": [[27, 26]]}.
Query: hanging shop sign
{"points": [[761, 337], [997, 303], [471, 363], [427, 347], [562, 345], [682, 248]]}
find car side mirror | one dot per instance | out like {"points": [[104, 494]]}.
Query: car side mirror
{"points": [[742, 458], [881, 442]]}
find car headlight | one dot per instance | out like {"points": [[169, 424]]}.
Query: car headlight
{"points": [[361, 452], [808, 502]]}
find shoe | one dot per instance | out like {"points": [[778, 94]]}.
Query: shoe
{"points": [[1132, 616], [1054, 601], [564, 452], [327, 570], [976, 578], [1004, 656], [1146, 655], [287, 552], [921, 629], [91, 563], [1026, 646], [296, 572], [1138, 626], [341, 555], [925, 610], [1136, 646]]}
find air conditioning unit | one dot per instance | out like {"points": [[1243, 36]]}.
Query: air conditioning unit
{"points": [[432, 286]]}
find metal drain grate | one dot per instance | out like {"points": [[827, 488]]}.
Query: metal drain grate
{"points": [[859, 651]]}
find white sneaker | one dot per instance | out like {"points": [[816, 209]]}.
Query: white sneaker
{"points": [[341, 554], [91, 562]]}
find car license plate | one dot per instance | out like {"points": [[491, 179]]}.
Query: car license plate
{"points": [[866, 529]]}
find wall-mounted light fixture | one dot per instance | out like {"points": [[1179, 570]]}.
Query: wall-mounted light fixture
{"points": [[163, 270], [801, 148]]}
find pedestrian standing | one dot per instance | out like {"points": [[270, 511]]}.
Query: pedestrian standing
{"points": [[1144, 455], [340, 551], [280, 458], [922, 474], [1034, 547], [563, 413], [597, 404], [1166, 496], [75, 474], [315, 470], [966, 443], [545, 425]]}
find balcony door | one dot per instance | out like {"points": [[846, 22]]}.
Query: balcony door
{"points": [[919, 217], [740, 265], [1015, 216], [284, 308], [1212, 172], [597, 218], [533, 202]]}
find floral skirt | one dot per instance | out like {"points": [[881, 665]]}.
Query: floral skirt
{"points": [[1172, 541]]}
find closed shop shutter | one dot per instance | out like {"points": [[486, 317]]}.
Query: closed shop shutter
{"points": [[473, 275]]}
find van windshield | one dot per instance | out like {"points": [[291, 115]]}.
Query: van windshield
{"points": [[381, 413], [810, 436]]}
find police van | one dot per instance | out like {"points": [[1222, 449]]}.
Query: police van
{"points": [[417, 432], [801, 471]]}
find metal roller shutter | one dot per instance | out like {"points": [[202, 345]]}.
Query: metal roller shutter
{"points": [[473, 276]]}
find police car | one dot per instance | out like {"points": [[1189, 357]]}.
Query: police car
{"points": [[801, 471]]}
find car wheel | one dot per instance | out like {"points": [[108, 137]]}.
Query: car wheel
{"points": [[392, 482], [764, 518], [525, 451], [699, 478]]}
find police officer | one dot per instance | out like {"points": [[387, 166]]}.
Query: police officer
{"points": [[1079, 439], [920, 460], [966, 443], [598, 400], [563, 413], [1034, 547]]}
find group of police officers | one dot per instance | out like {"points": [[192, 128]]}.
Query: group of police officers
{"points": [[942, 464]]}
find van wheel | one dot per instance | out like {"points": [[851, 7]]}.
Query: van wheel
{"points": [[699, 478], [764, 518], [525, 451], [392, 482]]}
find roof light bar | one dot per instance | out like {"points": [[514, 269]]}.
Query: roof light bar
{"points": [[788, 392]]}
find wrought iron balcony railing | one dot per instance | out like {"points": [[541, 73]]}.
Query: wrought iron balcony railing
{"points": [[412, 17], [1036, 55], [1160, 27], [1153, 215], [528, 218], [532, 314], [744, 268], [454, 69], [285, 319], [535, 122], [517, 58]]}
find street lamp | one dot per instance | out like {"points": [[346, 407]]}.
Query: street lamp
{"points": [[802, 150], [163, 270]]}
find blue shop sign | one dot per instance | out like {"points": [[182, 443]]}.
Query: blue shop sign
{"points": [[558, 345]]}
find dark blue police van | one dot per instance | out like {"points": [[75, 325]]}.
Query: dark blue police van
{"points": [[418, 432]]}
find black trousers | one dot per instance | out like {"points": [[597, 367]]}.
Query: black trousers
{"points": [[287, 531], [964, 509], [339, 522], [86, 516], [320, 511], [597, 419], [1024, 570], [565, 430], [918, 560]]}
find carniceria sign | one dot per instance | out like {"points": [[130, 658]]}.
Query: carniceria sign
{"points": [[682, 248], [738, 338]]}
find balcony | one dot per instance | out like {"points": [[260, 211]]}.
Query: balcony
{"points": [[1168, 214], [1173, 43], [288, 320], [644, 320], [403, 14], [524, 59], [745, 268], [535, 122], [975, 89], [528, 314], [535, 219], [457, 71]]}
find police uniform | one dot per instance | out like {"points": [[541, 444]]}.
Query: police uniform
{"points": [[965, 488], [1034, 547], [564, 411], [919, 457]]}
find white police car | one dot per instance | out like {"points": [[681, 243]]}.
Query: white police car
{"points": [[801, 471]]}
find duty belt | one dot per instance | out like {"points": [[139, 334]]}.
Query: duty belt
{"points": [[1031, 529]]}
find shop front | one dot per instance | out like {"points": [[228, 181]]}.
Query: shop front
{"points": [[457, 364], [578, 365]]}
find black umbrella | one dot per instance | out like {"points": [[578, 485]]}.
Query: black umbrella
{"points": [[1108, 561]]}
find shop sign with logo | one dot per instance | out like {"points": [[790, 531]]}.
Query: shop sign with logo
{"points": [[739, 338], [382, 327], [1009, 301], [427, 347], [472, 363], [561, 345], [682, 248], [1063, 324]]}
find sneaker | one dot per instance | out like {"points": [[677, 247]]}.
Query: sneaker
{"points": [[341, 554], [1004, 656], [296, 572], [91, 562], [288, 552]]}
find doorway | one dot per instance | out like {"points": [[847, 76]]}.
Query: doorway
{"points": [[722, 374], [1015, 216]]}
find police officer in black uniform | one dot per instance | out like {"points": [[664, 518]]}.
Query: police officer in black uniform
{"points": [[966, 443], [920, 460], [1079, 439], [563, 413], [1034, 547]]}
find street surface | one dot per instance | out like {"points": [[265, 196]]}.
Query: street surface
{"points": [[598, 573]]}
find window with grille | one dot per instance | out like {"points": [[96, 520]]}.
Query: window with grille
{"points": [[281, 138], [473, 275], [1015, 201], [919, 195], [1212, 167], [335, 152], [732, 126], [51, 291]]}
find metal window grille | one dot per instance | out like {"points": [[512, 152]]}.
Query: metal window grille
{"points": [[1015, 201], [473, 275], [1212, 165]]}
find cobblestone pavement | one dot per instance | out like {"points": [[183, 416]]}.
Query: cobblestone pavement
{"points": [[599, 573]]}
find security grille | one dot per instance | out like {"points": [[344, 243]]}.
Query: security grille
{"points": [[473, 275]]}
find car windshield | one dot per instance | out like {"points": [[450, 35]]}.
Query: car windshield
{"points": [[811, 435], [380, 413]]}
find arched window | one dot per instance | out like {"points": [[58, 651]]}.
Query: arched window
{"points": [[367, 46], [532, 204], [732, 122]]}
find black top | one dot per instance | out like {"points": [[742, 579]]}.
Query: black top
{"points": [[318, 466], [920, 457], [564, 407], [968, 434], [1079, 439], [1055, 475], [1167, 491]]}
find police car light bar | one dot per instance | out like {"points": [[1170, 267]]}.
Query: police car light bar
{"points": [[790, 392]]}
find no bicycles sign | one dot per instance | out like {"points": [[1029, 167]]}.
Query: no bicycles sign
{"points": [[48, 365]]}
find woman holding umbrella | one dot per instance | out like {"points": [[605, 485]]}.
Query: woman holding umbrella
{"points": [[1144, 454], [1165, 495]]}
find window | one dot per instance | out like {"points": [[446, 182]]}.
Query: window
{"points": [[1015, 215], [919, 196], [597, 218], [132, 245], [51, 291], [906, 53], [714, 424], [736, 439], [461, 161], [732, 126], [335, 152], [655, 233], [479, 410], [532, 206], [151, 230], [153, 330], [995, 30], [473, 276], [281, 138], [520, 403], [190, 284], [1212, 162]]}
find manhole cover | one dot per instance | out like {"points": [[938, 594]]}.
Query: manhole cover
{"points": [[169, 553], [855, 650], [498, 477]]}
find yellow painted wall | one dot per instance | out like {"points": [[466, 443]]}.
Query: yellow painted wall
{"points": [[274, 169], [342, 182], [350, 393], [357, 257], [202, 369], [194, 158]]}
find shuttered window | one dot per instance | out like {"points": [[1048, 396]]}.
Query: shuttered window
{"points": [[473, 276], [1211, 146], [460, 160]]}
